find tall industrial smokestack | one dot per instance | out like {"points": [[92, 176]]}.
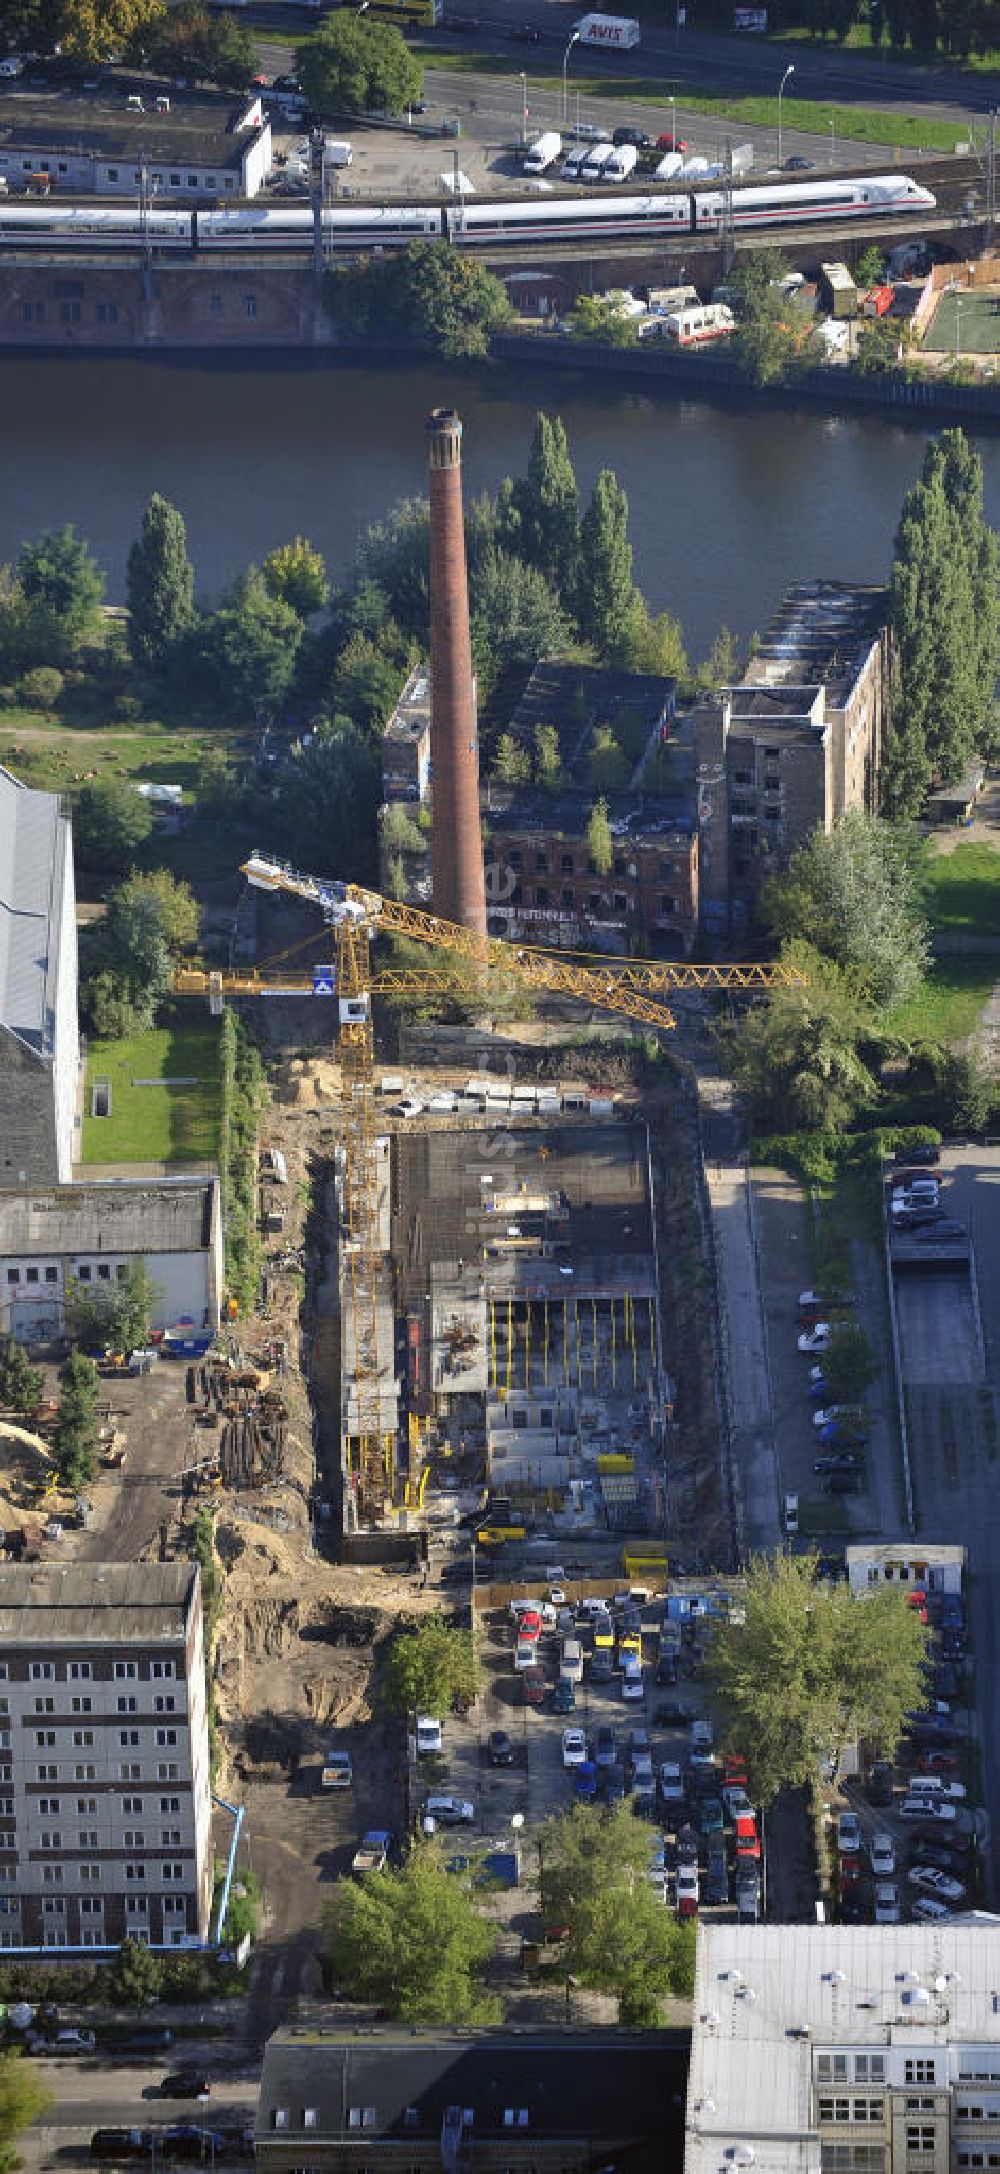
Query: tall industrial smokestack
{"points": [[459, 888]]}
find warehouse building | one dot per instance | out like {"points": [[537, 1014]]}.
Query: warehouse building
{"points": [[39, 1042], [105, 1829], [89, 1234]]}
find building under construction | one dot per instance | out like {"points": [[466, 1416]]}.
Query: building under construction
{"points": [[521, 1294]]}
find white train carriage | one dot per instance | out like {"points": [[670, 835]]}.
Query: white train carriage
{"points": [[809, 202], [599, 218]]}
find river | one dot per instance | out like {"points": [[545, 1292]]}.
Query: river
{"points": [[728, 503]]}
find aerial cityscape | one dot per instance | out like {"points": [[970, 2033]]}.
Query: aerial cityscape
{"points": [[499, 1086]]}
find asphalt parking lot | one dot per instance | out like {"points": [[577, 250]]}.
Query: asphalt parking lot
{"points": [[511, 1803]]}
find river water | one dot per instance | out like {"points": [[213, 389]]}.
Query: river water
{"points": [[727, 503]]}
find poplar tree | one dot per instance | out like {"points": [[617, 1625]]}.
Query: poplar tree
{"points": [[159, 584], [605, 590], [944, 612], [547, 500]]}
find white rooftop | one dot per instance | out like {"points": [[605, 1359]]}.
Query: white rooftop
{"points": [[32, 845], [767, 1996]]}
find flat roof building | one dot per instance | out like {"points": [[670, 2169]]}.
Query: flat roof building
{"points": [[181, 149], [39, 1041], [445, 2102], [105, 1829], [835, 2049], [88, 1234]]}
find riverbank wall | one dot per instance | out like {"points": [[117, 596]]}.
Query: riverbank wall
{"points": [[245, 311]]}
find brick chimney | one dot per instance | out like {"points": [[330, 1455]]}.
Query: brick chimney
{"points": [[457, 856]]}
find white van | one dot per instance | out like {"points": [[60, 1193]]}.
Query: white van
{"points": [[337, 151], [543, 153], [593, 169], [571, 170], [12, 66]]}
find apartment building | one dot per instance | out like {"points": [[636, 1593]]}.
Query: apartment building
{"points": [[105, 1819], [795, 745], [836, 2049]]}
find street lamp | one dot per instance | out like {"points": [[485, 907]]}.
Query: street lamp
{"points": [[574, 40], [833, 140], [958, 327], [790, 70], [524, 106], [673, 120]]}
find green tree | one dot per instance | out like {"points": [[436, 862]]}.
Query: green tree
{"points": [[722, 664], [451, 302], [367, 683], [797, 1054], [210, 45], [250, 647], [159, 584], [295, 572], [511, 761], [110, 821], [516, 618], [548, 758], [76, 1421], [323, 807], [21, 1385], [357, 65], [117, 1314], [602, 318], [856, 893], [870, 268], [812, 1667], [136, 1975], [176, 905], [946, 623], [848, 1363], [128, 961], [23, 2097], [63, 589], [600, 844], [546, 504], [393, 562], [595, 1880], [606, 593], [608, 766], [428, 1667], [413, 1942], [770, 325]]}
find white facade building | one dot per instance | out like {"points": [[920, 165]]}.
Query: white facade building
{"points": [[90, 1233], [39, 1041], [845, 2049]]}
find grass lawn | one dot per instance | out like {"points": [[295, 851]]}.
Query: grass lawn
{"points": [[950, 1002], [964, 890], [49, 753], [157, 1124]]}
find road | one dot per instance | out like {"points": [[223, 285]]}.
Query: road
{"points": [[89, 2095]]}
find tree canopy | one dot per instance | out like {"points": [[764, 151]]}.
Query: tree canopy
{"points": [[856, 894], [159, 584], [595, 1881], [356, 64], [428, 293], [209, 44], [947, 627], [110, 821], [797, 1055], [63, 588], [812, 1667], [23, 2097], [413, 1942], [428, 1667], [295, 572]]}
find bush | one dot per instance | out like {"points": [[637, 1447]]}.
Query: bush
{"points": [[41, 688], [127, 709]]}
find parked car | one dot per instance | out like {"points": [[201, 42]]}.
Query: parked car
{"points": [[937, 1762], [605, 1746], [429, 1739], [534, 1684], [829, 1414], [574, 1747], [929, 1808], [837, 1460], [948, 1229], [797, 165], [710, 1816], [916, 1218], [930, 1910], [118, 2144], [932, 1881], [880, 1782], [633, 1687], [450, 1811], [62, 2043], [923, 1154], [687, 1890], [585, 1781], [636, 136], [815, 1339], [944, 1853], [613, 1784], [717, 1873], [886, 1903], [185, 2083], [500, 1749], [883, 1856], [671, 143], [848, 1834]]}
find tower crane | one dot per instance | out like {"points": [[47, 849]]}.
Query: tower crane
{"points": [[631, 989]]}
